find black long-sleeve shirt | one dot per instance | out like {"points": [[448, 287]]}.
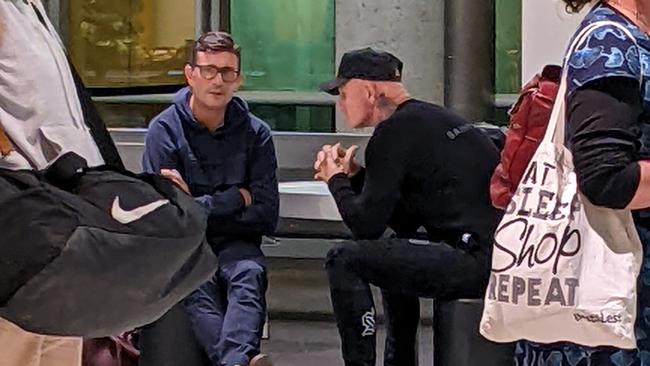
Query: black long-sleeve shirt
{"points": [[603, 135], [425, 166]]}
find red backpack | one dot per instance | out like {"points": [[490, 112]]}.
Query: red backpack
{"points": [[528, 120]]}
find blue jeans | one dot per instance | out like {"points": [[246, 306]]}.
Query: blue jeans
{"points": [[567, 354], [227, 313]]}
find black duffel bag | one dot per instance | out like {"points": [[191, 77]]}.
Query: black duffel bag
{"points": [[94, 252]]}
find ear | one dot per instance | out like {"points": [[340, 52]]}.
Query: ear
{"points": [[188, 71], [239, 82], [371, 90]]}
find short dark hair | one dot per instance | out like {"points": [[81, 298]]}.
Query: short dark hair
{"points": [[213, 42], [574, 6]]}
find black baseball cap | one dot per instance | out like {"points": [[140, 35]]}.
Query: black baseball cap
{"points": [[365, 64]]}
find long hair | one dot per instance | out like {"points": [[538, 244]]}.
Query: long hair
{"points": [[574, 6]]}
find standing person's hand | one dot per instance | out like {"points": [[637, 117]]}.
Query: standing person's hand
{"points": [[246, 195], [174, 176]]}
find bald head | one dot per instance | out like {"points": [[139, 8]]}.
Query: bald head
{"points": [[366, 103]]}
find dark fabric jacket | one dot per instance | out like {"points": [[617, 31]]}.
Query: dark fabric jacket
{"points": [[216, 164]]}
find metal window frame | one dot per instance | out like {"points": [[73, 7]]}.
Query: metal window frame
{"points": [[222, 15]]}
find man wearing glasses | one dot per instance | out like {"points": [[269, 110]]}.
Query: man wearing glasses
{"points": [[211, 146]]}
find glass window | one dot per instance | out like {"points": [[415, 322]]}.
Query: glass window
{"points": [[130, 43], [129, 115], [286, 44], [279, 116], [123, 47], [296, 117], [508, 46]]}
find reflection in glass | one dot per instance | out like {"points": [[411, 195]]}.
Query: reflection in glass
{"points": [[295, 117], [508, 46], [123, 43], [280, 117]]}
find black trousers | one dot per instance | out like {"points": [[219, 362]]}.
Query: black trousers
{"points": [[405, 270]]}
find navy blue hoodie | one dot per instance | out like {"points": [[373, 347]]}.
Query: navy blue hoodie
{"points": [[216, 164]]}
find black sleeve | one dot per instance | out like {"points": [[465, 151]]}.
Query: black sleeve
{"points": [[367, 214], [401, 221], [357, 180], [603, 125]]}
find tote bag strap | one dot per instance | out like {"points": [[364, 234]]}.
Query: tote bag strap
{"points": [[556, 124]]}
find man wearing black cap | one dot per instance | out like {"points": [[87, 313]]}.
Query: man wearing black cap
{"points": [[426, 167]]}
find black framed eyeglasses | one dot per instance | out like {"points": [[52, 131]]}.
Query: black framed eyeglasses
{"points": [[209, 72]]}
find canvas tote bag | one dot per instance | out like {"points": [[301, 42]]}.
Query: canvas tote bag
{"points": [[562, 268]]}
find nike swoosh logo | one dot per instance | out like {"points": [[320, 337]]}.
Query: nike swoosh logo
{"points": [[128, 216]]}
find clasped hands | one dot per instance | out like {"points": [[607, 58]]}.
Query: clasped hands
{"points": [[335, 159]]}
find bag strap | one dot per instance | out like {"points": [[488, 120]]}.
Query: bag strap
{"points": [[91, 117], [555, 130]]}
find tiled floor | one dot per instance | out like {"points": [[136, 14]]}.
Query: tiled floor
{"points": [[298, 343]]}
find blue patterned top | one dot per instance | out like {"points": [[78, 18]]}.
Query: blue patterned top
{"points": [[609, 52]]}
